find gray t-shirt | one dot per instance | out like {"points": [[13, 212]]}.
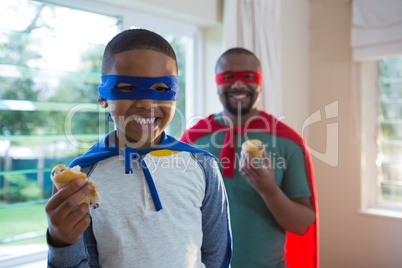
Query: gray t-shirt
{"points": [[192, 229]]}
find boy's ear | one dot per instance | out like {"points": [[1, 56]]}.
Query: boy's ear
{"points": [[103, 103]]}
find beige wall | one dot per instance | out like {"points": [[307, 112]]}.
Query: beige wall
{"points": [[348, 239]]}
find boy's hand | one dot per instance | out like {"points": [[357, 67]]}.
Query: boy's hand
{"points": [[67, 221]]}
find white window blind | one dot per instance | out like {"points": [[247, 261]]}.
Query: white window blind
{"points": [[376, 29]]}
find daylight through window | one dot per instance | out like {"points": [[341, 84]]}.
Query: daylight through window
{"points": [[390, 126], [50, 60]]}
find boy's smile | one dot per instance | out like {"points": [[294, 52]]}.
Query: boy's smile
{"points": [[140, 123], [145, 122]]}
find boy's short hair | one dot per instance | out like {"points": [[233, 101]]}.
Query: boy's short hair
{"points": [[237, 50], [134, 39]]}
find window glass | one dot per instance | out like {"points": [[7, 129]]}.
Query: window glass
{"points": [[50, 63], [390, 126], [180, 45]]}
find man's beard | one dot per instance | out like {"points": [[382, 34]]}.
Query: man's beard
{"points": [[238, 111]]}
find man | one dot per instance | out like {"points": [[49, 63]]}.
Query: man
{"points": [[272, 203]]}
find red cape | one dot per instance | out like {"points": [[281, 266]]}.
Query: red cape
{"points": [[301, 251]]}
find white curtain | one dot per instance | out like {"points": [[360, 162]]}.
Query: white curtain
{"points": [[254, 25], [376, 29]]}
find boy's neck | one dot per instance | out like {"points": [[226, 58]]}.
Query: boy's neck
{"points": [[122, 141]]}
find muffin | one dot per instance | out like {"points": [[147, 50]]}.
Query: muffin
{"points": [[254, 147], [62, 176]]}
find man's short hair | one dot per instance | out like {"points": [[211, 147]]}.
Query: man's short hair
{"points": [[237, 50], [134, 39]]}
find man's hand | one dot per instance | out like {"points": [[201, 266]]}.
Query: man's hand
{"points": [[261, 176], [66, 220], [293, 215]]}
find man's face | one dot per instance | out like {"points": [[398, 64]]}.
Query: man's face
{"points": [[142, 121], [238, 97]]}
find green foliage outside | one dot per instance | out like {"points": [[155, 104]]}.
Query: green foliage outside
{"points": [[74, 87], [21, 189], [391, 97], [177, 125], [18, 50], [20, 220], [391, 128]]}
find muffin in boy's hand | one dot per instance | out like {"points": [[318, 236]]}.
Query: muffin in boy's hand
{"points": [[62, 176], [254, 147]]}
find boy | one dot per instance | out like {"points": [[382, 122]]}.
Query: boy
{"points": [[175, 217]]}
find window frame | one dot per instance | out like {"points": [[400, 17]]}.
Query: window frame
{"points": [[371, 201]]}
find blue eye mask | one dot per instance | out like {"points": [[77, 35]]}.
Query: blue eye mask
{"points": [[108, 91]]}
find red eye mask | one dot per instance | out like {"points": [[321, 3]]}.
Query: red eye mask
{"points": [[231, 77]]}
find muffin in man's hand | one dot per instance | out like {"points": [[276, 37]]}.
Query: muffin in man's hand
{"points": [[254, 147]]}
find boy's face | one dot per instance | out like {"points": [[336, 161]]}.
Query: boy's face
{"points": [[141, 122]]}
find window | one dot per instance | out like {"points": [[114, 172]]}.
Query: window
{"points": [[49, 67], [50, 63], [390, 128], [179, 43], [382, 136]]}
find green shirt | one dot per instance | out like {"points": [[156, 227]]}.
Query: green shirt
{"points": [[258, 241]]}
